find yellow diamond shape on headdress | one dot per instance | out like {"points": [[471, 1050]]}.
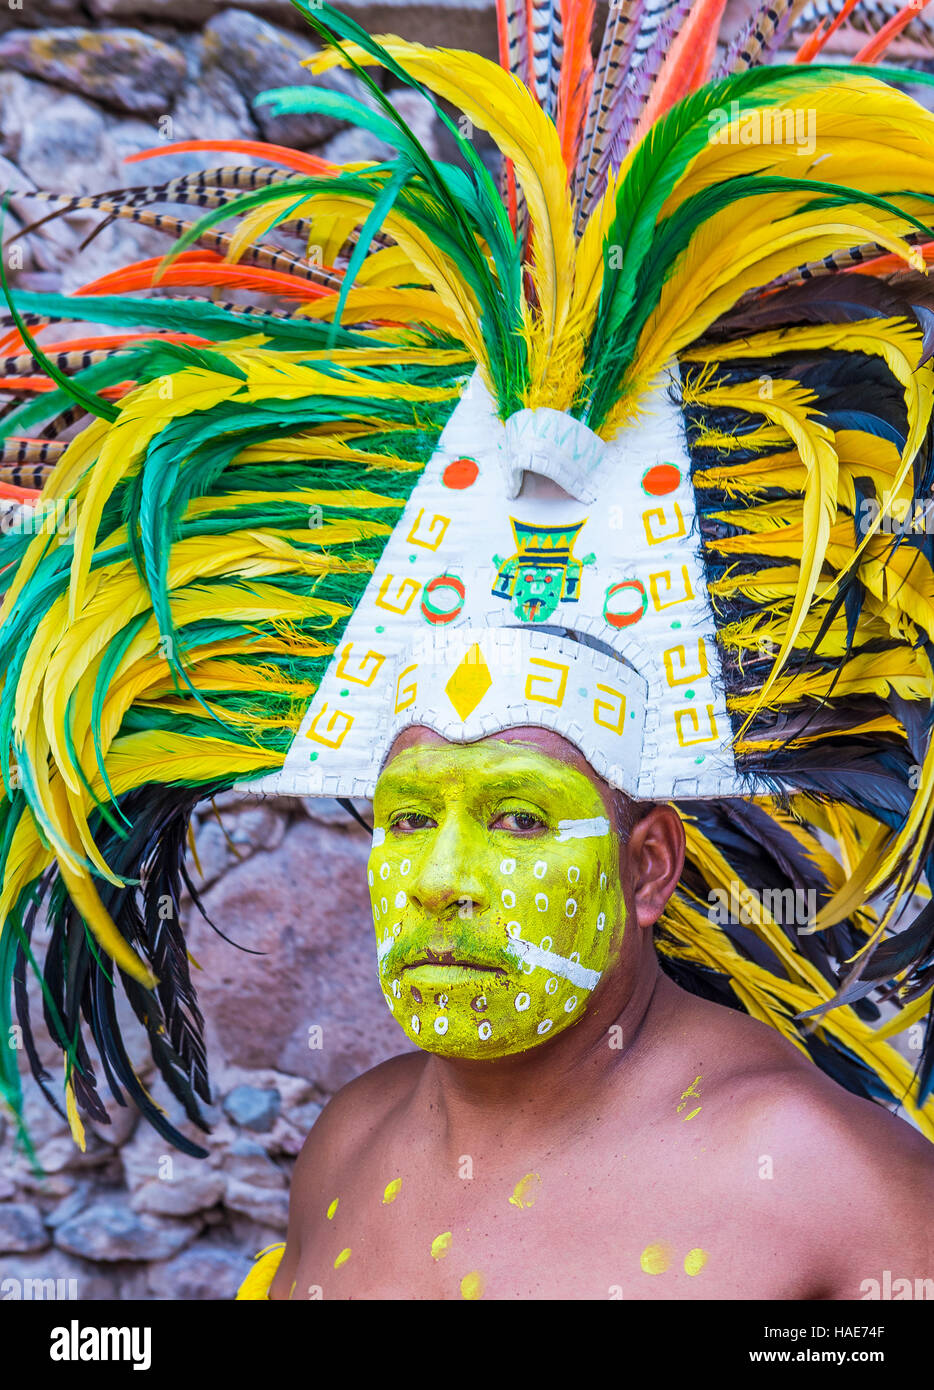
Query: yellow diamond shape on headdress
{"points": [[469, 683]]}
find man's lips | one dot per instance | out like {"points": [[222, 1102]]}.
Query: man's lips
{"points": [[451, 958]]}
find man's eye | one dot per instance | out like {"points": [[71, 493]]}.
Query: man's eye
{"points": [[519, 821], [413, 820]]}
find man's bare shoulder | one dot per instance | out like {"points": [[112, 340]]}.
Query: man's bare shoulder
{"points": [[356, 1112], [834, 1171], [348, 1122]]}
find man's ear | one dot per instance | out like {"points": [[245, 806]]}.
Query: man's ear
{"points": [[655, 851]]}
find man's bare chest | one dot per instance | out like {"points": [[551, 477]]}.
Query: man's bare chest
{"points": [[613, 1229]]}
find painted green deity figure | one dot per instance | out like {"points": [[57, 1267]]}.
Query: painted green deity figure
{"points": [[496, 894]]}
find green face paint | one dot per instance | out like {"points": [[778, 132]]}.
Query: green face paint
{"points": [[497, 900]]}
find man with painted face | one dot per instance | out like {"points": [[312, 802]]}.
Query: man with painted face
{"points": [[575, 1125]]}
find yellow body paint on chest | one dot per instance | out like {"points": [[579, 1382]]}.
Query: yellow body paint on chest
{"points": [[525, 1191], [472, 1285], [655, 1259], [333, 1208], [691, 1092], [392, 1191], [441, 1245], [342, 1258], [695, 1260], [494, 922]]}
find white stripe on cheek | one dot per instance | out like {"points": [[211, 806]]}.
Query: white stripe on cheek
{"points": [[555, 965], [379, 835], [582, 829]]}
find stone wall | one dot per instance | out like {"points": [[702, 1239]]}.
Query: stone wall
{"points": [[286, 1027]]}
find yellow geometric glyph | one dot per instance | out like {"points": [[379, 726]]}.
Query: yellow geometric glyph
{"points": [[470, 682]]}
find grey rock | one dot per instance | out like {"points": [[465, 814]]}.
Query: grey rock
{"points": [[62, 1154], [327, 810], [195, 11], [252, 1108], [147, 1157], [262, 1204], [53, 1274], [68, 1207], [37, 14], [229, 838], [108, 1230], [247, 1162], [21, 1228], [48, 1186], [260, 57], [256, 827], [118, 67], [123, 1121], [303, 1117], [209, 105], [311, 1004], [213, 854], [201, 1272], [353, 146], [180, 1198]]}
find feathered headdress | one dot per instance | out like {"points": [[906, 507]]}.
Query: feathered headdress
{"points": [[700, 308]]}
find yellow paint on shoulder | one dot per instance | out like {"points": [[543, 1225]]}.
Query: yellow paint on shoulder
{"points": [[333, 1208], [692, 1114], [441, 1245], [655, 1259], [342, 1258], [525, 1191], [691, 1091], [472, 1285], [694, 1261], [392, 1191]]}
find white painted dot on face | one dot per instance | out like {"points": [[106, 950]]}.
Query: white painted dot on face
{"points": [[570, 908], [514, 928], [485, 1030], [396, 928], [601, 921], [384, 870], [570, 1004], [603, 880], [509, 898], [541, 902], [396, 988], [392, 1007], [551, 985], [441, 1025], [574, 874], [507, 866], [523, 1001], [416, 1024], [441, 1000], [544, 1026], [541, 868], [401, 899], [383, 905], [376, 913], [369, 877], [545, 943], [405, 866]]}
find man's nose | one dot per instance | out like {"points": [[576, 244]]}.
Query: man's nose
{"points": [[448, 873]]}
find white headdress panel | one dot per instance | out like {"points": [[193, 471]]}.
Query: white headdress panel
{"points": [[581, 607]]}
